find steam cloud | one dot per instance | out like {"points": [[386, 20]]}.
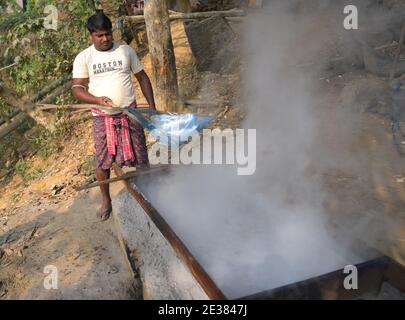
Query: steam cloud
{"points": [[253, 233]]}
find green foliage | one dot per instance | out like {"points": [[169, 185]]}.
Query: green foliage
{"points": [[44, 54], [13, 19], [27, 172], [14, 196], [50, 141], [30, 5], [8, 4]]}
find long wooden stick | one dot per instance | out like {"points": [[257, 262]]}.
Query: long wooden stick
{"points": [[50, 87], [9, 66], [202, 277], [144, 106], [131, 174], [49, 99], [23, 107], [53, 85], [193, 15], [48, 106]]}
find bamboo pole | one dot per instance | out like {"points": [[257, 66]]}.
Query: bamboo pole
{"points": [[17, 121], [25, 107], [143, 106], [57, 93], [193, 15], [49, 106], [128, 175], [53, 85], [9, 116]]}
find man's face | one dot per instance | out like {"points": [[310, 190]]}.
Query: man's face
{"points": [[102, 39]]}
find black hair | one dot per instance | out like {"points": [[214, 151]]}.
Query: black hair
{"points": [[99, 22]]}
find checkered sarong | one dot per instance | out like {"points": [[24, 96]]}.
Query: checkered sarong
{"points": [[118, 139]]}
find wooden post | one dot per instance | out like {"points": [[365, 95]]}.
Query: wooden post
{"points": [[162, 54]]}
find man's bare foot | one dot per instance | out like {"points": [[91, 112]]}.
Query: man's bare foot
{"points": [[104, 212]]}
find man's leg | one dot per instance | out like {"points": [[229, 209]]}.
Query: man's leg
{"points": [[103, 160], [105, 209]]}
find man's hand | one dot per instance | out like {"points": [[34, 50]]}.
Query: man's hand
{"points": [[80, 93], [105, 102]]}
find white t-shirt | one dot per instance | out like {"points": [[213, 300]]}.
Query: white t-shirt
{"points": [[109, 72]]}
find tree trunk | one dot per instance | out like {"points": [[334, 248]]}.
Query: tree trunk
{"points": [[162, 55]]}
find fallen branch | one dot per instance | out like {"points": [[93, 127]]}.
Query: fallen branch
{"points": [[224, 112], [53, 85], [6, 173], [26, 106], [193, 15], [16, 104], [9, 116], [9, 66], [17, 121], [131, 174], [57, 92]]}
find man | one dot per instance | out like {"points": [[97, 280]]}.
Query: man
{"points": [[106, 68]]}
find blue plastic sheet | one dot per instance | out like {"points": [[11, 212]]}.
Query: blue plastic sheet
{"points": [[179, 127], [172, 128]]}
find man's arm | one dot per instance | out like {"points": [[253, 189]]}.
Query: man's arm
{"points": [[146, 88], [80, 93]]}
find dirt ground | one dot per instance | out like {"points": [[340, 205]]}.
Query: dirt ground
{"points": [[46, 222]]}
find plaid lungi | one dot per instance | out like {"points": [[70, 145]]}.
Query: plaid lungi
{"points": [[105, 159]]}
